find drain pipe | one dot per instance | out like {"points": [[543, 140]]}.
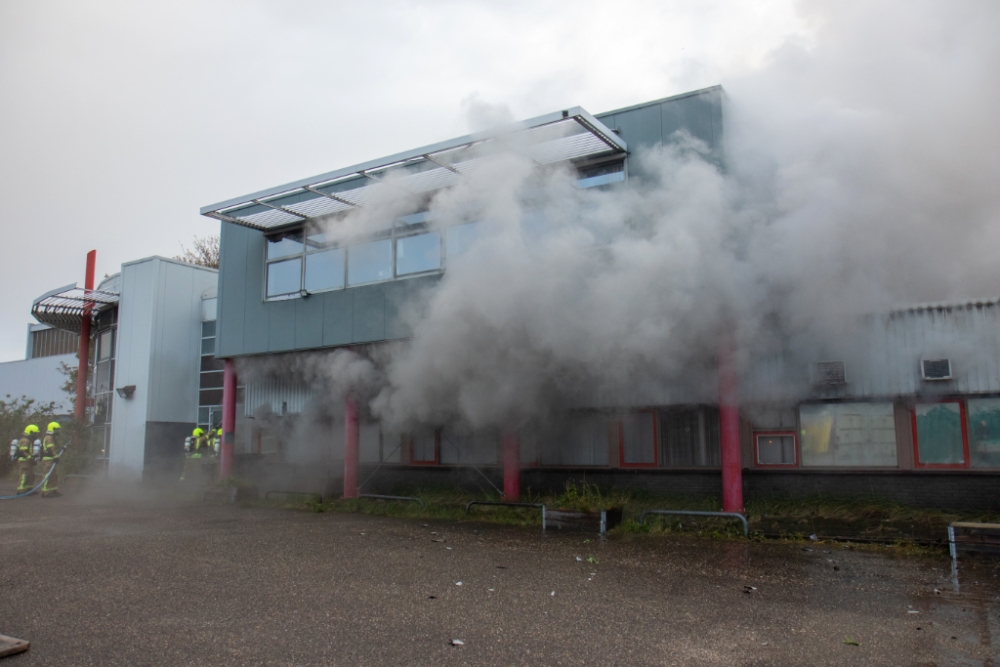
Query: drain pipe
{"points": [[729, 429], [511, 466], [350, 448]]}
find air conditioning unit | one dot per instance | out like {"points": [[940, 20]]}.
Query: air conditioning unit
{"points": [[827, 373], [935, 369]]}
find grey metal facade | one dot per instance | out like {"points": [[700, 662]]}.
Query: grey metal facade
{"points": [[250, 325]]}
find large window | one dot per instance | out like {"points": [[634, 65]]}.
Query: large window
{"points": [[939, 430], [209, 380], [418, 253], [775, 449], [639, 439], [848, 435], [369, 262], [325, 270], [424, 447], [984, 432], [582, 441]]}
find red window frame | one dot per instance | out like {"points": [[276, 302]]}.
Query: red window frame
{"points": [[656, 442], [437, 450], [756, 453], [963, 413]]}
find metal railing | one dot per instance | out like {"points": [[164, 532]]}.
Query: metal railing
{"points": [[377, 496], [469, 505], [723, 515]]}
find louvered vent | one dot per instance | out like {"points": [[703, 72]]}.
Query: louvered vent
{"points": [[936, 369], [828, 373]]}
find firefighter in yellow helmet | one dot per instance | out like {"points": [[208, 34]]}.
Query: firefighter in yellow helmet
{"points": [[196, 447], [25, 458], [50, 454]]}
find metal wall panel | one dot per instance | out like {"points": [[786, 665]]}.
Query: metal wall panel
{"points": [[232, 289], [282, 397], [256, 323], [338, 317], [369, 314], [38, 378], [308, 323], [281, 325]]}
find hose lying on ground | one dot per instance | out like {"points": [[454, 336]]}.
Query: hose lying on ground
{"points": [[40, 484]]}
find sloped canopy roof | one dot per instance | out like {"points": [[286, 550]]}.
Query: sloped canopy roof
{"points": [[572, 134], [66, 307]]}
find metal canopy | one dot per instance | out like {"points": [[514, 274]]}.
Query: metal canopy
{"points": [[572, 134], [66, 307]]}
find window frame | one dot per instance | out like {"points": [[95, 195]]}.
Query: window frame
{"points": [[963, 413], [779, 466], [437, 450], [656, 440]]}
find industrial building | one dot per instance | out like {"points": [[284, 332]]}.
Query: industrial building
{"points": [[914, 416], [38, 376], [153, 374]]}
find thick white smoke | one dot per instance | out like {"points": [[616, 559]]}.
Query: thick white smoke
{"points": [[861, 174]]}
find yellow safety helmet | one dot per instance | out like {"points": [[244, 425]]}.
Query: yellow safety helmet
{"points": [[31, 428], [219, 432], [197, 432], [54, 426]]}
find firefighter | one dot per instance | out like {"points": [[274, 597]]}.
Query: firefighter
{"points": [[50, 454], [217, 441], [26, 459], [196, 447]]}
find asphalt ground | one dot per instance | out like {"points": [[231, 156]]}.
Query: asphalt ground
{"points": [[98, 578]]}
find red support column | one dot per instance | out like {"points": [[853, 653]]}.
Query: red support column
{"points": [[350, 448], [729, 430], [511, 466], [83, 369], [226, 451]]}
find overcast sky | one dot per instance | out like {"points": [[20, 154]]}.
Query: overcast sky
{"points": [[119, 120]]}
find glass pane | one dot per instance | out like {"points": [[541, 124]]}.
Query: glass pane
{"points": [[284, 277], [284, 246], [325, 270], [690, 437], [105, 345], [369, 262], [320, 240], [639, 445], [208, 346], [105, 369], [604, 175], [984, 432], [207, 329], [211, 380], [939, 434], [415, 254], [202, 415], [424, 447], [848, 434], [776, 449], [458, 240], [210, 363], [210, 397]]}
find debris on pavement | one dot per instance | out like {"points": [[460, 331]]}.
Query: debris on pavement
{"points": [[457, 642]]}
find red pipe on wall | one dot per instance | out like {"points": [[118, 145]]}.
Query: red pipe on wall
{"points": [[83, 369], [350, 448], [729, 430], [511, 445], [227, 450]]}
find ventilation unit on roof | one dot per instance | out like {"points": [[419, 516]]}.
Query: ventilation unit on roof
{"points": [[935, 369], [827, 373]]}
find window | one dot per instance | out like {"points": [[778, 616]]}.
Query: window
{"points": [[582, 441], [940, 437], [424, 447], [775, 449], [639, 439], [984, 432], [369, 262], [848, 435], [325, 270], [105, 345], [690, 437], [284, 277], [605, 174], [417, 254], [464, 446], [284, 246], [210, 380]]}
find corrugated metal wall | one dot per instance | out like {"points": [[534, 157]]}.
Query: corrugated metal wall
{"points": [[282, 397]]}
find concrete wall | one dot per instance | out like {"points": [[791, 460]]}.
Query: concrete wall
{"points": [[159, 347], [39, 379]]}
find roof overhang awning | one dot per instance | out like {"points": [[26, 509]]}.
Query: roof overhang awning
{"points": [[66, 307], [568, 135]]}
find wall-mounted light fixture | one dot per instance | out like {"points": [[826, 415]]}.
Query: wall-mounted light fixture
{"points": [[126, 391]]}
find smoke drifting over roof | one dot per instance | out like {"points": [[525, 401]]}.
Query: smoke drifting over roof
{"points": [[861, 174]]}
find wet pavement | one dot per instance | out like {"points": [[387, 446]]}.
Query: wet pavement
{"points": [[92, 579]]}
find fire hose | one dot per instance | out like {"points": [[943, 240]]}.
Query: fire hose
{"points": [[40, 484]]}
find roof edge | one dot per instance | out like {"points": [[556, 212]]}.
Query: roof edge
{"points": [[692, 93]]}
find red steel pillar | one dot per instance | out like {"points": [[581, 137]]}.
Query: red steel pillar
{"points": [[226, 451], [83, 369], [511, 466], [350, 448], [729, 430]]}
